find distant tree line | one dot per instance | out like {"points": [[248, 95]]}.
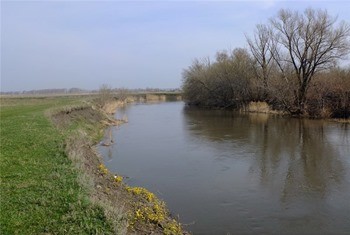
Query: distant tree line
{"points": [[81, 91], [45, 91], [292, 63]]}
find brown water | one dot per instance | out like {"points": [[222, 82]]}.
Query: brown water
{"points": [[229, 173]]}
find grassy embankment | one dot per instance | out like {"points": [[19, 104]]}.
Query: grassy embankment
{"points": [[53, 182], [39, 188]]}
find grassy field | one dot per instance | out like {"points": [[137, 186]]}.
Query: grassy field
{"points": [[40, 193]]}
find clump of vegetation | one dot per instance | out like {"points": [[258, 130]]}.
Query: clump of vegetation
{"points": [[291, 65], [118, 179], [149, 209], [103, 169], [224, 83]]}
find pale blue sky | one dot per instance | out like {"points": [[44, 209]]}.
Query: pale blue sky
{"points": [[63, 44]]}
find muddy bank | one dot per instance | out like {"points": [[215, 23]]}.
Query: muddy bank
{"points": [[133, 210]]}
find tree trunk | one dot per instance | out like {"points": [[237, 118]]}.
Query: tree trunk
{"points": [[301, 100]]}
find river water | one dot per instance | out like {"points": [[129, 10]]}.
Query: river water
{"points": [[227, 173]]}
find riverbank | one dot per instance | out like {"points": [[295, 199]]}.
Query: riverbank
{"points": [[54, 182], [263, 107], [140, 210]]}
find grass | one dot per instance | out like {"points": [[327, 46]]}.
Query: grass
{"points": [[52, 181], [40, 192]]}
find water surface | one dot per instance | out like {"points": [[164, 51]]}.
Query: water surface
{"points": [[229, 173]]}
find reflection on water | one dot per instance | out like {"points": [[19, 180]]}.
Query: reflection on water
{"points": [[298, 149], [225, 172]]}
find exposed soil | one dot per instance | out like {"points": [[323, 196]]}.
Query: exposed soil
{"points": [[64, 118]]}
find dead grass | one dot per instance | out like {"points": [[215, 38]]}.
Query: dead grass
{"points": [[111, 106], [260, 107], [156, 98]]}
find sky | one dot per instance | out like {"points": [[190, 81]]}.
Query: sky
{"points": [[125, 44]]}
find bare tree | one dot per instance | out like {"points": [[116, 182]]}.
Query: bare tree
{"points": [[307, 43], [260, 47], [195, 82], [122, 94], [225, 83], [105, 94]]}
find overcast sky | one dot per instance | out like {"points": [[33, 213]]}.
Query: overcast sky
{"points": [[64, 44]]}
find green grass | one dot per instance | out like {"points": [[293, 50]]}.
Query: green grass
{"points": [[39, 187]]}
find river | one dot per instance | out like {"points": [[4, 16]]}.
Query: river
{"points": [[223, 172]]}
